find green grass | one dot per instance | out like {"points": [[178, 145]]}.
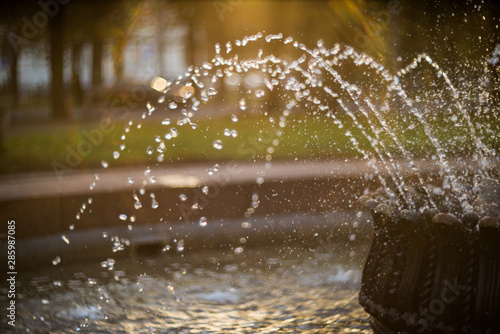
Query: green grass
{"points": [[69, 147], [304, 136]]}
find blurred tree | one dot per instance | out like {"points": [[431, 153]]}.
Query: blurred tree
{"points": [[121, 19], [12, 56], [451, 32], [76, 71], [97, 31], [18, 34], [57, 93], [77, 36], [97, 49], [109, 29]]}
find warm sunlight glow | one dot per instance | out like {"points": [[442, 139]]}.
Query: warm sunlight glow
{"points": [[159, 84]]}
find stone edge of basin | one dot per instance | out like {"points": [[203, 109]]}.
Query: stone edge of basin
{"points": [[297, 229], [318, 187]]}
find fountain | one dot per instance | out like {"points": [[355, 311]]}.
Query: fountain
{"points": [[434, 260]]}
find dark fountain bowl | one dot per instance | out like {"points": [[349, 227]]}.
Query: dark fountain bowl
{"points": [[432, 272]]}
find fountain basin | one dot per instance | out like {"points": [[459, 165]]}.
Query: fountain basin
{"points": [[295, 196], [432, 273], [297, 201]]}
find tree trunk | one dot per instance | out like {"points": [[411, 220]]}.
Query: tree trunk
{"points": [[76, 85], [13, 58], [118, 49], [56, 60]]}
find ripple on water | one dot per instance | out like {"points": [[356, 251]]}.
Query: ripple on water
{"points": [[258, 291]]}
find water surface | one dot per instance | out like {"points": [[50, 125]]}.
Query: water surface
{"points": [[264, 290]]}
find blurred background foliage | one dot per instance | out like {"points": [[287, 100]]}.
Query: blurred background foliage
{"points": [[61, 60]]}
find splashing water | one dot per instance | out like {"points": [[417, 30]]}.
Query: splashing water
{"points": [[401, 132]]}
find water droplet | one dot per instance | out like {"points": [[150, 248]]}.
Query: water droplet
{"points": [[243, 104], [204, 190], [123, 216], [213, 170], [234, 118], [218, 144], [259, 93], [203, 221], [104, 164], [109, 263], [166, 248], [187, 95], [56, 260], [45, 300], [137, 205], [227, 132], [149, 150], [246, 225], [66, 240], [152, 179], [71, 227], [147, 171], [132, 218], [182, 197], [238, 250], [78, 215], [154, 204], [161, 99], [180, 245], [268, 84], [269, 38], [172, 105], [166, 121], [212, 91]]}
